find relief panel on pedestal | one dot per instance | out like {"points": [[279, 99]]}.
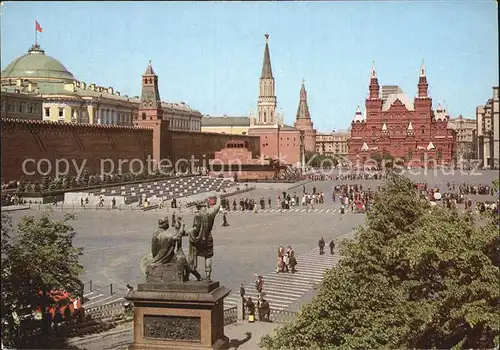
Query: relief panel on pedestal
{"points": [[176, 328]]}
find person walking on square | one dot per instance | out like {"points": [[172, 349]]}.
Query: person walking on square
{"points": [[242, 291], [259, 284], [321, 245], [332, 247], [291, 259], [281, 262], [224, 219]]}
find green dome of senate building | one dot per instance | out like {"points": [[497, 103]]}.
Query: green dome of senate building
{"points": [[36, 66]]}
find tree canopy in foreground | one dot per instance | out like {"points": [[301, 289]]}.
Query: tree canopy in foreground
{"points": [[415, 277], [37, 258]]}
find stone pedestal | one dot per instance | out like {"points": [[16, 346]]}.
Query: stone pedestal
{"points": [[187, 315]]}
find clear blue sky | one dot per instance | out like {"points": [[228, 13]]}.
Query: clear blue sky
{"points": [[210, 54]]}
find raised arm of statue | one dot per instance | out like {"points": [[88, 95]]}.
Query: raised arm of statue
{"points": [[215, 209]]}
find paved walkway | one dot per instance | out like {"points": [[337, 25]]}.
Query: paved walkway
{"points": [[243, 335], [15, 207], [283, 289], [293, 210]]}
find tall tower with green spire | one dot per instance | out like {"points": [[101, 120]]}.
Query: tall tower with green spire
{"points": [[303, 121], [266, 106]]}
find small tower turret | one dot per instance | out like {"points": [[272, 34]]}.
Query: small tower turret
{"points": [[374, 87], [422, 82]]}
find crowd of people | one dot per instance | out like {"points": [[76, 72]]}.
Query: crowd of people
{"points": [[352, 197]]}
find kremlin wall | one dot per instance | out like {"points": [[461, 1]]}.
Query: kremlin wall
{"points": [[29, 139]]}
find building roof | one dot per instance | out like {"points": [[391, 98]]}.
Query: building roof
{"points": [[267, 72], [225, 121], [35, 65], [358, 117], [402, 97], [303, 109]]}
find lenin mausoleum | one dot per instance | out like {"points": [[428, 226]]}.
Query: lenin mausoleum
{"points": [[409, 130]]}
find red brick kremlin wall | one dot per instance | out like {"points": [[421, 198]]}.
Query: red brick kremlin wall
{"points": [[39, 140], [27, 139]]}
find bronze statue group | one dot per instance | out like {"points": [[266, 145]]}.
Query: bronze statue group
{"points": [[166, 247]]}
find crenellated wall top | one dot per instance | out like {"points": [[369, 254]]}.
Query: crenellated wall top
{"points": [[69, 127], [250, 137]]}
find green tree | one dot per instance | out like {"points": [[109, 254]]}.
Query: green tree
{"points": [[496, 185], [45, 184], [317, 160], [416, 277], [38, 258]]}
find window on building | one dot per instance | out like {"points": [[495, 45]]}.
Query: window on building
{"points": [[47, 112], [61, 112], [21, 108], [30, 109]]}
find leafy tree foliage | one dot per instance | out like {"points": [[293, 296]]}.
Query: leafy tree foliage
{"points": [[37, 258], [317, 160], [416, 277]]}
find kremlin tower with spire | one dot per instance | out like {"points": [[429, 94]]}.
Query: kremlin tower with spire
{"points": [[279, 141], [408, 130], [303, 121]]}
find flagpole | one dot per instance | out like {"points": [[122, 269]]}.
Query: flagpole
{"points": [[36, 36]]}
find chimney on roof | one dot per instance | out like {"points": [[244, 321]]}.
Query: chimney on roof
{"points": [[110, 90], [92, 87], [30, 87], [118, 93], [19, 82], [83, 85]]}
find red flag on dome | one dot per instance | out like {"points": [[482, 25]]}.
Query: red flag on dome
{"points": [[38, 27]]}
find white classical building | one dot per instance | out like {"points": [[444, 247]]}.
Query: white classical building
{"points": [[67, 99]]}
